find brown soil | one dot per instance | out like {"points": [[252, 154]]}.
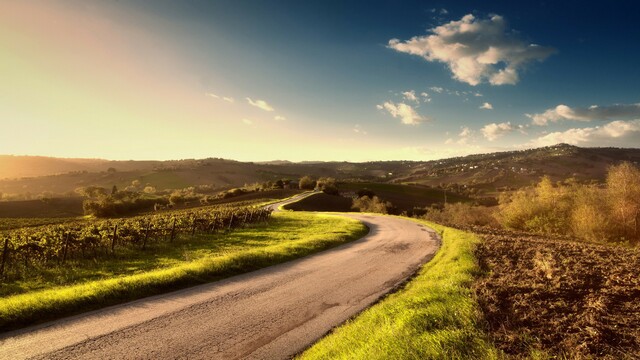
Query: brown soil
{"points": [[321, 202], [569, 299]]}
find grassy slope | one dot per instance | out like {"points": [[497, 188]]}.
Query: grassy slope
{"points": [[286, 237], [434, 317]]}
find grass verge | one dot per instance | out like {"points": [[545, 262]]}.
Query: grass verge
{"points": [[435, 316], [286, 237]]}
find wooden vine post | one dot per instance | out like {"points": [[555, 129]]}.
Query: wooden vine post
{"points": [[66, 246], [173, 230], [4, 255], [113, 240], [146, 236]]}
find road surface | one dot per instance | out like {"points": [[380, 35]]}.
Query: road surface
{"points": [[273, 313]]}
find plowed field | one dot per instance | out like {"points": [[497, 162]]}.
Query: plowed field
{"points": [[568, 299]]}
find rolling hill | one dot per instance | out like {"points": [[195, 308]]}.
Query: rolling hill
{"points": [[474, 174]]}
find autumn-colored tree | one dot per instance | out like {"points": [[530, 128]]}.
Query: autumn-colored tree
{"points": [[623, 194], [590, 214], [307, 183], [375, 205]]}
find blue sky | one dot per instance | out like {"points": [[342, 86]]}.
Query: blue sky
{"points": [[302, 80]]}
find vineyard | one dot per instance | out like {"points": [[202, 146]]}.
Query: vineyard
{"points": [[44, 246]]}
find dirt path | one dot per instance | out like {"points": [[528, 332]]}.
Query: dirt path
{"points": [[272, 313]]}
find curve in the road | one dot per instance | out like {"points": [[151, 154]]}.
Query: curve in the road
{"points": [[271, 313]]}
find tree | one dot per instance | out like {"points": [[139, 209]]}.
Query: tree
{"points": [[623, 191], [375, 205], [307, 183], [114, 190], [92, 192], [590, 215], [327, 185]]}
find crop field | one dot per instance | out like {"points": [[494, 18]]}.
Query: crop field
{"points": [[405, 197], [544, 297], [81, 284]]}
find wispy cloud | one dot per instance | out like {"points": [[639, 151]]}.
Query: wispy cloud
{"points": [[618, 133], [594, 112], [465, 136], [247, 121], [410, 95], [359, 130], [228, 99], [279, 118], [212, 95], [407, 114], [260, 104], [474, 50], [494, 131], [486, 106]]}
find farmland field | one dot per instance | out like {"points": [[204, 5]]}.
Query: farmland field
{"points": [[559, 298], [82, 285]]}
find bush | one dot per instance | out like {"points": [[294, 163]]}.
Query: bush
{"points": [[307, 183], [462, 215], [327, 185], [374, 205]]}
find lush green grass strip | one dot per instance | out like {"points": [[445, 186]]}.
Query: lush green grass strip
{"points": [[434, 317], [288, 236]]}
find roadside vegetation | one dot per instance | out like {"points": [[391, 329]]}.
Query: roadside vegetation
{"points": [[606, 212], [435, 316], [187, 261], [609, 213]]}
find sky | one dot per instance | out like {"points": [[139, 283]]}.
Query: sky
{"points": [[315, 80]]}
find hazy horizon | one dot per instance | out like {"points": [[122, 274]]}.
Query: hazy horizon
{"points": [[310, 81]]}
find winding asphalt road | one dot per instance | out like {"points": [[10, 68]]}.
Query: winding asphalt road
{"points": [[273, 313]]}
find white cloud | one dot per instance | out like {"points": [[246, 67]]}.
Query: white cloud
{"points": [[407, 114], [477, 94], [486, 106], [260, 104], [494, 131], [465, 132], [228, 99], [436, 89], [475, 50], [464, 137], [247, 121], [212, 95], [593, 112], [379, 107], [617, 133], [425, 97], [279, 118], [358, 130], [410, 95]]}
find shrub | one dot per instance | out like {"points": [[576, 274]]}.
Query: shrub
{"points": [[462, 215], [375, 205], [307, 183]]}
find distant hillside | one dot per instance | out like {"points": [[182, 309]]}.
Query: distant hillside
{"points": [[13, 167], [475, 174], [514, 169]]}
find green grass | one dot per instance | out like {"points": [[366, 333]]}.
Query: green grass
{"points": [[434, 316], [203, 259]]}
